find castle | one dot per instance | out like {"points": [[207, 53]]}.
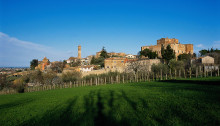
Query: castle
{"points": [[175, 45]]}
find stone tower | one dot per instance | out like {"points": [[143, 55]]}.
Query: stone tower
{"points": [[79, 52]]}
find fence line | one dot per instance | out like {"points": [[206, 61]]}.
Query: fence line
{"points": [[197, 72]]}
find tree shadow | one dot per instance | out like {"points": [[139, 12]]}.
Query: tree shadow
{"points": [[99, 109], [96, 109], [16, 103], [200, 82], [56, 116]]}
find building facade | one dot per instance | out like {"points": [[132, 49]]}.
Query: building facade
{"points": [[175, 45], [42, 65], [115, 63]]}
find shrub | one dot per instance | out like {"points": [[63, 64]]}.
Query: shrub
{"points": [[158, 67], [19, 85], [71, 76], [48, 77], [178, 65]]}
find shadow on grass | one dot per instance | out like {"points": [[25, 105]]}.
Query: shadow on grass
{"points": [[16, 103], [56, 116], [201, 82], [99, 110]]}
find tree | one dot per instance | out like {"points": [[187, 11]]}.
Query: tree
{"points": [[104, 53], [148, 53], [136, 66], [100, 60], [178, 65], [57, 66], [74, 64], [33, 64], [212, 50], [2, 81], [36, 77], [168, 54], [203, 52], [194, 55], [93, 60], [48, 77], [184, 57], [71, 76], [156, 68]]}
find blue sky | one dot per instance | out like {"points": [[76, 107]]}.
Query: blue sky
{"points": [[54, 28]]}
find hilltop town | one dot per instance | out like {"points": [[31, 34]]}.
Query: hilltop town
{"points": [[167, 58], [103, 62]]}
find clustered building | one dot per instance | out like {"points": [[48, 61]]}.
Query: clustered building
{"points": [[119, 61], [175, 45]]}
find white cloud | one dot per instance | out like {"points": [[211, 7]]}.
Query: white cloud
{"points": [[15, 52], [200, 46]]}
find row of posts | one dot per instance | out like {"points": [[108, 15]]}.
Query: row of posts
{"points": [[124, 78]]}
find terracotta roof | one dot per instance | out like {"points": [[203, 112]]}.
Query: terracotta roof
{"points": [[72, 58]]}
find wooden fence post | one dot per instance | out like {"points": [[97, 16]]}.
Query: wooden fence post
{"points": [[200, 71], [175, 73], [196, 72], [166, 76], [218, 71], [190, 72], [170, 74]]}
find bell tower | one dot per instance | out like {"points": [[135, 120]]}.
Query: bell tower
{"points": [[79, 52]]}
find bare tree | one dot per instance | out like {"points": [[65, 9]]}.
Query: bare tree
{"points": [[136, 66], [57, 66]]}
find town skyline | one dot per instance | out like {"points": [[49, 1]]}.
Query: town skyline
{"points": [[32, 30]]}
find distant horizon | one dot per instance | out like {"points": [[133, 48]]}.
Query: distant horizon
{"points": [[34, 29]]}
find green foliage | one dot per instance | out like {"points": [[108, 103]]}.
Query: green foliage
{"points": [[71, 76], [19, 85], [75, 64], [182, 102], [148, 53], [205, 51], [156, 68], [33, 64], [93, 60], [48, 77], [167, 54], [176, 65], [184, 57], [58, 66], [104, 53], [2, 81], [98, 61]]}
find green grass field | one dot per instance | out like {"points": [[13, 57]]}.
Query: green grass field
{"points": [[180, 102]]}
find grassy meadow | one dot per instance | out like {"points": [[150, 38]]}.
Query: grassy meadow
{"points": [[174, 102]]}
